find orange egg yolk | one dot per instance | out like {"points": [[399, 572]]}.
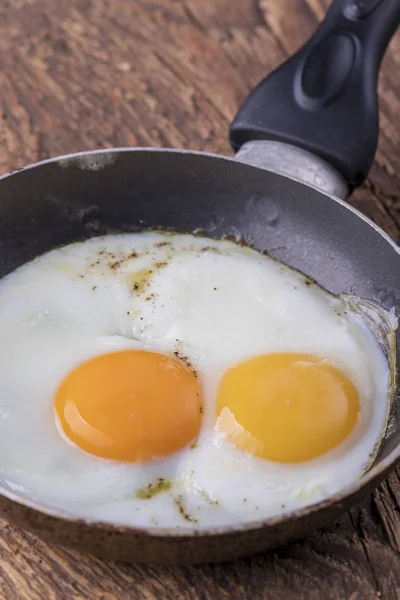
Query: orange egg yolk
{"points": [[130, 405], [287, 407]]}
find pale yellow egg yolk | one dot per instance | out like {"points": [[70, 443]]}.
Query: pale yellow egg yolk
{"points": [[287, 407], [130, 405]]}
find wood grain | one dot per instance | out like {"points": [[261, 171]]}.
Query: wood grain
{"points": [[85, 74]]}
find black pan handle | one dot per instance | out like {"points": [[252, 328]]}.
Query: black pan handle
{"points": [[324, 98]]}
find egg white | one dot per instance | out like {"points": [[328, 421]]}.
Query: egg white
{"points": [[214, 303]]}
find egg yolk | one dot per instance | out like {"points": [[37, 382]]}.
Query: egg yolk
{"points": [[130, 405], [287, 407]]}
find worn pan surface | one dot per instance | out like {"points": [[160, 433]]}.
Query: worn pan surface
{"points": [[67, 199]]}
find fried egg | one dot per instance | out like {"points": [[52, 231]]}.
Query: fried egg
{"points": [[169, 380]]}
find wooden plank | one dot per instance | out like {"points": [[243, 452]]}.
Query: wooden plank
{"points": [[85, 74]]}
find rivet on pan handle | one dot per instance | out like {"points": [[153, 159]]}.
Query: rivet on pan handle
{"points": [[324, 98]]}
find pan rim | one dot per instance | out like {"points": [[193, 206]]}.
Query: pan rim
{"points": [[376, 472]]}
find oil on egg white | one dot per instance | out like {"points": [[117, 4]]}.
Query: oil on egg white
{"points": [[216, 304]]}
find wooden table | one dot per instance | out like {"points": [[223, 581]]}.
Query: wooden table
{"points": [[82, 74]]}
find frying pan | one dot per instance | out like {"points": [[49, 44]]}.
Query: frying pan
{"points": [[306, 137]]}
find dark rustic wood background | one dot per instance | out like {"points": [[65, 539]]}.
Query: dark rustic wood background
{"points": [[83, 74]]}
